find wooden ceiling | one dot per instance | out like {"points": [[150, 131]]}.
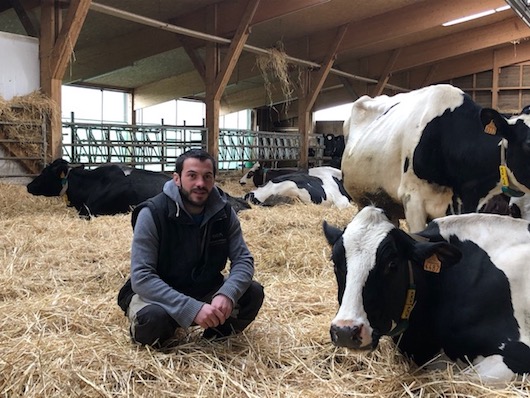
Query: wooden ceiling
{"points": [[156, 49]]}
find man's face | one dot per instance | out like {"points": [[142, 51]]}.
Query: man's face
{"points": [[196, 182]]}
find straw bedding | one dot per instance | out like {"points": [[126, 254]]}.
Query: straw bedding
{"points": [[62, 333]]}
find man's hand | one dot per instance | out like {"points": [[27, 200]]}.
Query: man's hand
{"points": [[223, 304], [214, 314], [209, 317]]}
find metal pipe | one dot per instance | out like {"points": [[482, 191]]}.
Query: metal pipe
{"points": [[104, 9]]}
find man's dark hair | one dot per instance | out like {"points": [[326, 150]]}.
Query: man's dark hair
{"points": [[200, 154]]}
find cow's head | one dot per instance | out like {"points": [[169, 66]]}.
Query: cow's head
{"points": [[249, 175], [51, 180], [516, 132], [375, 266]]}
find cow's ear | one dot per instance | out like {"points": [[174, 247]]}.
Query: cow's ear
{"points": [[332, 233], [435, 255], [494, 123]]}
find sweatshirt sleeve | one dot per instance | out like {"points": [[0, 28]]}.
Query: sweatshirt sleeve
{"points": [[242, 263], [144, 277]]}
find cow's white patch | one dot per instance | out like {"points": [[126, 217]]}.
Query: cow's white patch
{"points": [[491, 370], [247, 179], [361, 239], [383, 133]]}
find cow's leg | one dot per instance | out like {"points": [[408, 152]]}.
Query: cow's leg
{"points": [[415, 213]]}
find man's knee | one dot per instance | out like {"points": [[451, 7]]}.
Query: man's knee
{"points": [[251, 301], [152, 325]]}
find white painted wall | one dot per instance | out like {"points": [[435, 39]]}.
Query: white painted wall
{"points": [[19, 65], [19, 75]]}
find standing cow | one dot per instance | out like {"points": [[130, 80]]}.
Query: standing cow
{"points": [[460, 286], [415, 154]]}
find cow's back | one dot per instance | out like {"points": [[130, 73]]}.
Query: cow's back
{"points": [[507, 243], [384, 132]]}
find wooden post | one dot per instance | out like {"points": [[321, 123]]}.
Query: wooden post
{"points": [[57, 41], [311, 86], [217, 74]]}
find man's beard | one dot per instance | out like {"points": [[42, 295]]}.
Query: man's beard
{"points": [[187, 199]]}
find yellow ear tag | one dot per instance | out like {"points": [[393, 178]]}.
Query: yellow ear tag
{"points": [[504, 175], [490, 128], [432, 264], [409, 304]]}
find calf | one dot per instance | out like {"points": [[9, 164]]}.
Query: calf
{"points": [[259, 175], [320, 185], [417, 153], [459, 286]]}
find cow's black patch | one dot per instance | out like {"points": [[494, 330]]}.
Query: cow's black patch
{"points": [[313, 185]]}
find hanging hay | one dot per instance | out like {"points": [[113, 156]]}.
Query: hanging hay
{"points": [[275, 68], [21, 120], [62, 333]]}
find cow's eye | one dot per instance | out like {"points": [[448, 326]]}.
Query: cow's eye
{"points": [[390, 267]]}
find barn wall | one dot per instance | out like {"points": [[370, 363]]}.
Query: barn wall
{"points": [[19, 68], [514, 88]]}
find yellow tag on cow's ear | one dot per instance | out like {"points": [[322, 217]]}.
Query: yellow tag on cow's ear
{"points": [[432, 264], [504, 175], [490, 128]]}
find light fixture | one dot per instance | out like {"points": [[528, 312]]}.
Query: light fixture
{"points": [[477, 15]]}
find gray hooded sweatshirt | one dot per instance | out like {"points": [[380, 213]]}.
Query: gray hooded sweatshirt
{"points": [[147, 283]]}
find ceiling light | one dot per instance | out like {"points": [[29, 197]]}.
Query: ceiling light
{"points": [[476, 16]]}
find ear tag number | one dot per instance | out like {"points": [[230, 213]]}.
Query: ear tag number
{"points": [[490, 128], [432, 264], [504, 175]]}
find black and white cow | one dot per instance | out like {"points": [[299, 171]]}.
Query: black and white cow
{"points": [[413, 153], [320, 185], [259, 175], [461, 286], [106, 190]]}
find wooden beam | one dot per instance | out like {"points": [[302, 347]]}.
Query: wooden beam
{"points": [[50, 86], [385, 76], [425, 14], [235, 49], [495, 81], [25, 19], [68, 35], [213, 105], [480, 62], [317, 81], [195, 58], [433, 51]]}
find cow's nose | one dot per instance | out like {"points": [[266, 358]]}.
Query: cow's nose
{"points": [[346, 336]]}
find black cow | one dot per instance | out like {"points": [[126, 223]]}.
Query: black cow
{"points": [[414, 152], [461, 286], [259, 175], [106, 190], [334, 148]]}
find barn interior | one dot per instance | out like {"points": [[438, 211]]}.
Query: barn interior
{"points": [[313, 54], [62, 333]]}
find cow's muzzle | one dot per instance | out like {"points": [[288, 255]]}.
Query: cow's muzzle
{"points": [[348, 336]]}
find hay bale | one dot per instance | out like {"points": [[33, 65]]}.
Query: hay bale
{"points": [[62, 333], [21, 119]]}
